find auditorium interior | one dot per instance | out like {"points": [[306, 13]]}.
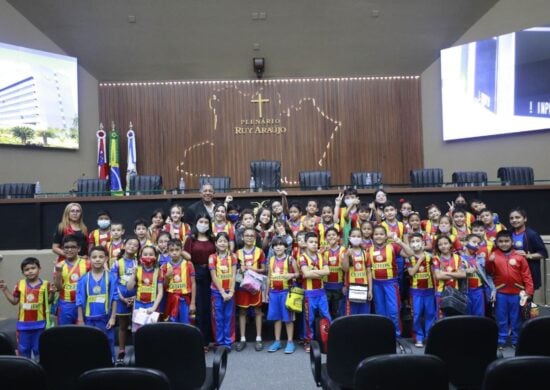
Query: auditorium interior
{"points": [[258, 97]]}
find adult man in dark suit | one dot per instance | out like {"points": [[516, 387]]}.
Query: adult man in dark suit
{"points": [[205, 205]]}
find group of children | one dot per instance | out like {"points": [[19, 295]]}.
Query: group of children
{"points": [[353, 258]]}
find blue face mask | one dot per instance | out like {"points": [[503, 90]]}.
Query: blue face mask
{"points": [[233, 217], [472, 247]]}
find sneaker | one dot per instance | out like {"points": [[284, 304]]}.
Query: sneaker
{"points": [[419, 344], [259, 346], [239, 346], [275, 346], [290, 347], [501, 347], [120, 359], [307, 347]]}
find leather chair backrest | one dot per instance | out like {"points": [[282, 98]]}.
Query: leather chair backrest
{"points": [[220, 183], [17, 190], [349, 342], [312, 180], [524, 372], [91, 187], [411, 372], [118, 378], [64, 362], [20, 373], [151, 184], [267, 174], [183, 362], [429, 177], [466, 178], [467, 344], [516, 175], [534, 337], [366, 179]]}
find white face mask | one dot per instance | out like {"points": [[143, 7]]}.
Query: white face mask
{"points": [[349, 202], [355, 241], [103, 223], [444, 229], [405, 213], [202, 227], [416, 246]]}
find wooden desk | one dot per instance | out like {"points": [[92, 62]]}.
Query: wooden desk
{"points": [[30, 223]]}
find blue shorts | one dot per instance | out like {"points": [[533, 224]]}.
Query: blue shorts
{"points": [[122, 309], [67, 313], [27, 342], [277, 310]]}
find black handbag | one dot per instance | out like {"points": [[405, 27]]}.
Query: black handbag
{"points": [[453, 302]]}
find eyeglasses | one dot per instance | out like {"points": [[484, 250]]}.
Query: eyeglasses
{"points": [[70, 247]]}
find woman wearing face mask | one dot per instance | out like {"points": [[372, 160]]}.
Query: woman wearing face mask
{"points": [[198, 248]]}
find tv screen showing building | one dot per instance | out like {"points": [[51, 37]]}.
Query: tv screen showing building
{"points": [[38, 98]]}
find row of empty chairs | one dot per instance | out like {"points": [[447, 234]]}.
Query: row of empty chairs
{"points": [[67, 352], [463, 346], [267, 176], [433, 177]]}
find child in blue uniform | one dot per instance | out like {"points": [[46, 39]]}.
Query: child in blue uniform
{"points": [[96, 296], [122, 270]]}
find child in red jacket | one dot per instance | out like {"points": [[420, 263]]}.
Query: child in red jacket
{"points": [[511, 275]]}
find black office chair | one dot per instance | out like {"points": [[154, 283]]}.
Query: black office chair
{"points": [[6, 346], [266, 174], [429, 177], [469, 178], [350, 340], [366, 179], [534, 337], [220, 183], [143, 185], [123, 378], [17, 190], [92, 187], [411, 372], [467, 344], [177, 350], [525, 372], [313, 180], [516, 175], [68, 351], [19, 373]]}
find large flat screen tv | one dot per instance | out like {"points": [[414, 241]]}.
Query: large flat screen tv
{"points": [[38, 98], [499, 85]]}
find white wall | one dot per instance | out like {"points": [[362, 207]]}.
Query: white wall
{"points": [[527, 149], [56, 169]]}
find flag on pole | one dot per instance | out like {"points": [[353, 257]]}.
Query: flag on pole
{"points": [[102, 166], [131, 169], [116, 184]]}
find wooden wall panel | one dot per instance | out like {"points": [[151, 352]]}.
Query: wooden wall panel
{"points": [[343, 125]]}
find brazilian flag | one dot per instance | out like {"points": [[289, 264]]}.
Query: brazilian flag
{"points": [[116, 183]]}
